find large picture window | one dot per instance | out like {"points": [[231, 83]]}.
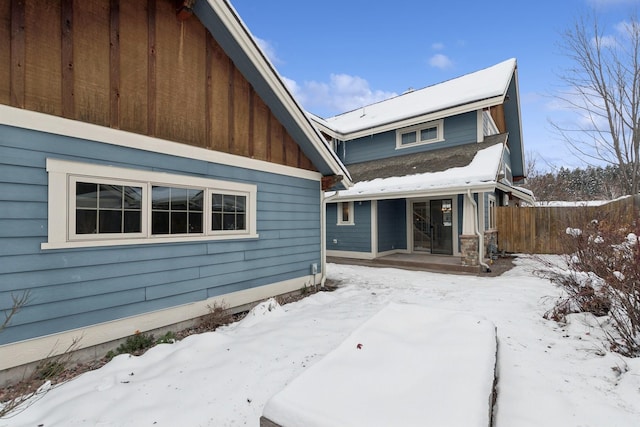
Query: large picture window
{"points": [[92, 205], [426, 133]]}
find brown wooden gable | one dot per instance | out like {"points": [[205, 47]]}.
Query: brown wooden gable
{"points": [[135, 66]]}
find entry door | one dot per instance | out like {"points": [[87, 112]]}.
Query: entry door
{"points": [[441, 221], [421, 227]]}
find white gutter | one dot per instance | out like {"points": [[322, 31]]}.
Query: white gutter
{"points": [[323, 235], [480, 235], [358, 132], [444, 191]]}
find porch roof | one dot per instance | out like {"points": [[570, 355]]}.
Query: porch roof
{"points": [[454, 169]]}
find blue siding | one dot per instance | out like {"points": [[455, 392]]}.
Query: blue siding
{"points": [[392, 225], [512, 119], [458, 130], [72, 288], [354, 238]]}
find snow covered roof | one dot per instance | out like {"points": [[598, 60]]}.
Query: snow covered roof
{"points": [[435, 160], [489, 85], [481, 171]]}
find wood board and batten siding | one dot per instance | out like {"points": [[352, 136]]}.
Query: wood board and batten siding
{"points": [[539, 230], [131, 65]]}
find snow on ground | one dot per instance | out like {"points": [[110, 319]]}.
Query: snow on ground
{"points": [[377, 376], [549, 374]]}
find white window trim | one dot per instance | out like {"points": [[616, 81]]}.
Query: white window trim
{"points": [[438, 124], [341, 221], [60, 194], [492, 211]]}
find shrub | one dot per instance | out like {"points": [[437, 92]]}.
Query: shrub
{"points": [[218, 315], [168, 338], [134, 344], [602, 276]]}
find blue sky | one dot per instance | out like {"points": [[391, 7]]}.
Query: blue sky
{"points": [[337, 55]]}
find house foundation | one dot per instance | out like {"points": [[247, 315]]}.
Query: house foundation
{"points": [[469, 250]]}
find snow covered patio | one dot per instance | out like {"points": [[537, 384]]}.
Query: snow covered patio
{"points": [[407, 365], [549, 374]]}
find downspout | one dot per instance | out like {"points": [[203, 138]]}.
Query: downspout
{"points": [[480, 235], [323, 235]]}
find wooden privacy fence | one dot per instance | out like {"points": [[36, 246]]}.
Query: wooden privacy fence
{"points": [[540, 229]]}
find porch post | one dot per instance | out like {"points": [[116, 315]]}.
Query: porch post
{"points": [[469, 239], [468, 222]]}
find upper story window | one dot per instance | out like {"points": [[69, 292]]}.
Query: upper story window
{"points": [[93, 205], [425, 133]]}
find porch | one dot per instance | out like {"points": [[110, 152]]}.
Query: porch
{"points": [[414, 261]]}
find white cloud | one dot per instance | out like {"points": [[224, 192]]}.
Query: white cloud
{"points": [[605, 41], [440, 61], [342, 93], [437, 46], [269, 50]]}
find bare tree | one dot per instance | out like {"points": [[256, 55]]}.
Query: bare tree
{"points": [[603, 87]]}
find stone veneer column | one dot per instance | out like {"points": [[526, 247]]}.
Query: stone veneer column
{"points": [[469, 250]]}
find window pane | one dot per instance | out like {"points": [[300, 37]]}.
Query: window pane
{"points": [[429, 134], [196, 201], [178, 199], [345, 212], [216, 221], [178, 222], [160, 223], [160, 198], [132, 221], [229, 221], [86, 221], [110, 221], [195, 222], [241, 202], [110, 196], [133, 197], [86, 195], [216, 202], [240, 224], [229, 204], [408, 138]]}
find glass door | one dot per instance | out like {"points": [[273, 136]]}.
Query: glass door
{"points": [[442, 226], [421, 227]]}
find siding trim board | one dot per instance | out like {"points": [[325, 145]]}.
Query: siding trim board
{"points": [[35, 349], [32, 120]]}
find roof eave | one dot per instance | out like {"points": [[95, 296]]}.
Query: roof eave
{"points": [[520, 194], [436, 192], [410, 121]]}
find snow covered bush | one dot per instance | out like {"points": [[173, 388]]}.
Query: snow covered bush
{"points": [[601, 276]]}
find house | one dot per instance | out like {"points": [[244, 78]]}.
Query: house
{"points": [[429, 167], [152, 163]]}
